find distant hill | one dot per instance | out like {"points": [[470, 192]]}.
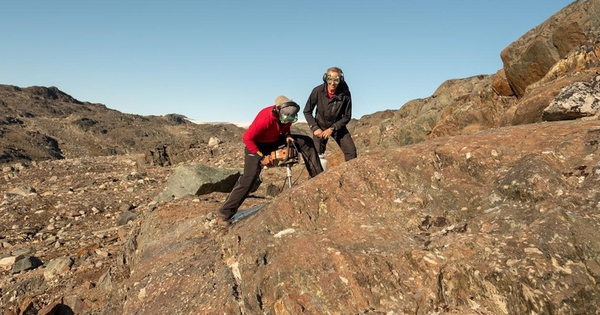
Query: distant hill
{"points": [[41, 123]]}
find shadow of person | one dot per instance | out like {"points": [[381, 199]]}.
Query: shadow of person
{"points": [[58, 309]]}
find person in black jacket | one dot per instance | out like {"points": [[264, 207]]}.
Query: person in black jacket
{"points": [[333, 104]]}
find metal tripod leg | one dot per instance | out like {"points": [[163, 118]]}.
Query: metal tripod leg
{"points": [[288, 168]]}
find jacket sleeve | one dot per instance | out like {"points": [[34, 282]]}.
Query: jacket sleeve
{"points": [[252, 132], [311, 103], [346, 114]]}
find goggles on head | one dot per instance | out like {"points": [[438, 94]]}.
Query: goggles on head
{"points": [[332, 79], [292, 118]]}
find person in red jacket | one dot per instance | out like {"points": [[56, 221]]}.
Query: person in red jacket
{"points": [[270, 129]]}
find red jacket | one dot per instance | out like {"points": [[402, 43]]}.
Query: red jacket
{"points": [[265, 128]]}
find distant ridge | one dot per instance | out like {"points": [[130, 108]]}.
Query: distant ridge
{"points": [[239, 124]]}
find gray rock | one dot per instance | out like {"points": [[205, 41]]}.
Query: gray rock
{"points": [[578, 100], [23, 251], [58, 266], [125, 217], [214, 141], [198, 179], [24, 263]]}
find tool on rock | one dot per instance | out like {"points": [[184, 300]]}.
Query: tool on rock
{"points": [[286, 155]]}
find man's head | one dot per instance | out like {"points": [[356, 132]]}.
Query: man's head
{"points": [[333, 77], [286, 109]]}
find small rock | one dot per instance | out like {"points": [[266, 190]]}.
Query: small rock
{"points": [[126, 207], [101, 253], [125, 217], [214, 141], [6, 263], [88, 285], [58, 266], [24, 263]]}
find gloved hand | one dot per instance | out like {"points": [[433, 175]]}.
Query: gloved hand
{"points": [[266, 160]]}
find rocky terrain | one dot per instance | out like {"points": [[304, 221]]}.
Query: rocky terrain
{"points": [[481, 199]]}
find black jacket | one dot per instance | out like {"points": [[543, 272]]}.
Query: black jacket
{"points": [[335, 112]]}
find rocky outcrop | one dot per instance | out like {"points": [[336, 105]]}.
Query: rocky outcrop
{"points": [[561, 51], [471, 224], [532, 56], [529, 109], [467, 225], [459, 106]]}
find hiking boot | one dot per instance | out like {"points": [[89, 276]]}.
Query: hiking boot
{"points": [[223, 223]]}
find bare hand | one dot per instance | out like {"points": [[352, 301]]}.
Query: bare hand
{"points": [[325, 134], [318, 133], [289, 139]]}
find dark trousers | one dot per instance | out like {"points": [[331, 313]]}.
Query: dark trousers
{"points": [[253, 167], [343, 139]]}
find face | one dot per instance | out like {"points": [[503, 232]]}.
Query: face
{"points": [[333, 80]]}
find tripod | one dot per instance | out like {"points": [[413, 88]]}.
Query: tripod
{"points": [[287, 156], [290, 161], [288, 169]]}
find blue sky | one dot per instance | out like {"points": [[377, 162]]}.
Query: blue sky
{"points": [[222, 60]]}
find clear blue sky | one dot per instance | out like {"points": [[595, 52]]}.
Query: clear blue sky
{"points": [[224, 60]]}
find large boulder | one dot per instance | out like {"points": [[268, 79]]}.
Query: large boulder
{"points": [[531, 57], [198, 179]]}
